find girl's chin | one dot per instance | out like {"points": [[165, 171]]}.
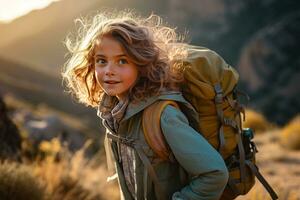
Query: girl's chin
{"points": [[111, 93]]}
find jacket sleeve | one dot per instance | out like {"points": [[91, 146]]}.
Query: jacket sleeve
{"points": [[196, 156]]}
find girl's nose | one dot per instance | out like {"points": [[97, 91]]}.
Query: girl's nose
{"points": [[109, 70], [109, 73]]}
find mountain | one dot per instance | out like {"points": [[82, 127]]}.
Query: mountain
{"points": [[38, 87], [36, 39], [270, 68], [235, 29]]}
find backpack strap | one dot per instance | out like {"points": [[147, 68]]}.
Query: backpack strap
{"points": [[152, 130], [263, 181], [219, 108], [224, 121]]}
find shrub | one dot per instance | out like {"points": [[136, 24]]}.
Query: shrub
{"points": [[290, 135], [256, 121], [55, 173], [69, 189], [72, 175], [16, 182]]}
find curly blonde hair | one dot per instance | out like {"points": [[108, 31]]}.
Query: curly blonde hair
{"points": [[149, 44]]}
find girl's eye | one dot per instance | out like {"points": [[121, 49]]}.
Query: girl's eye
{"points": [[100, 61], [123, 61]]}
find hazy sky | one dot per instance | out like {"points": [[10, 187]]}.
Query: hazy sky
{"points": [[11, 9]]}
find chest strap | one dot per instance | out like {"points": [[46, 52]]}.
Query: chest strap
{"points": [[146, 162]]}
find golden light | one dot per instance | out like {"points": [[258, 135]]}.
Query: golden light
{"points": [[11, 9]]}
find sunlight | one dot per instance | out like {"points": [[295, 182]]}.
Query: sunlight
{"points": [[12, 9]]}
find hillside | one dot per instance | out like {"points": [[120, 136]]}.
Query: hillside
{"points": [[41, 88], [259, 38], [39, 35]]}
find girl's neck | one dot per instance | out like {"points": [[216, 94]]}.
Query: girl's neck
{"points": [[122, 98]]}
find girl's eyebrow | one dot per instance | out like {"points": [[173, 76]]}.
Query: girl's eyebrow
{"points": [[120, 55]]}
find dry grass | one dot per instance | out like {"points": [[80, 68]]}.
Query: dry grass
{"points": [[56, 174], [259, 193], [280, 167], [72, 176], [290, 135], [17, 182]]}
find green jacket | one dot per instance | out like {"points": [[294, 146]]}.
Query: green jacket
{"points": [[199, 171]]}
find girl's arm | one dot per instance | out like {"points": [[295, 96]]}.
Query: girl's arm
{"points": [[196, 156]]}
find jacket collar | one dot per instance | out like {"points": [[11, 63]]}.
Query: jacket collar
{"points": [[134, 108]]}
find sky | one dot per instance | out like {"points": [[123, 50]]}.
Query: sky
{"points": [[11, 9]]}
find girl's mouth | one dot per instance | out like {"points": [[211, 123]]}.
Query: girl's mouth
{"points": [[112, 82]]}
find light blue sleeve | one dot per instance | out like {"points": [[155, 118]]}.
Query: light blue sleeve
{"points": [[196, 156]]}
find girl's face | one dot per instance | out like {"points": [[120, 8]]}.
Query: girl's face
{"points": [[115, 72]]}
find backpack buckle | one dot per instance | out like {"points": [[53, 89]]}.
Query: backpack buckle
{"points": [[126, 141], [129, 142], [219, 93]]}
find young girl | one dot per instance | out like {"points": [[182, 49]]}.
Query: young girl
{"points": [[123, 64]]}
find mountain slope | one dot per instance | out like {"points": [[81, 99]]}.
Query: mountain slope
{"points": [[37, 38], [39, 88]]}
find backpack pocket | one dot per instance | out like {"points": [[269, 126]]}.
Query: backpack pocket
{"points": [[236, 185]]}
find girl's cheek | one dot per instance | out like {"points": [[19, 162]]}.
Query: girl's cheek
{"points": [[98, 71], [98, 75]]}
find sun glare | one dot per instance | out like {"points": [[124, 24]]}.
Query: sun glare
{"points": [[12, 9]]}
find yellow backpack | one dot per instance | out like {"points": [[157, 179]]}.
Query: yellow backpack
{"points": [[210, 86]]}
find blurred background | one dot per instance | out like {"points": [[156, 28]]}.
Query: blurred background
{"points": [[260, 38]]}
